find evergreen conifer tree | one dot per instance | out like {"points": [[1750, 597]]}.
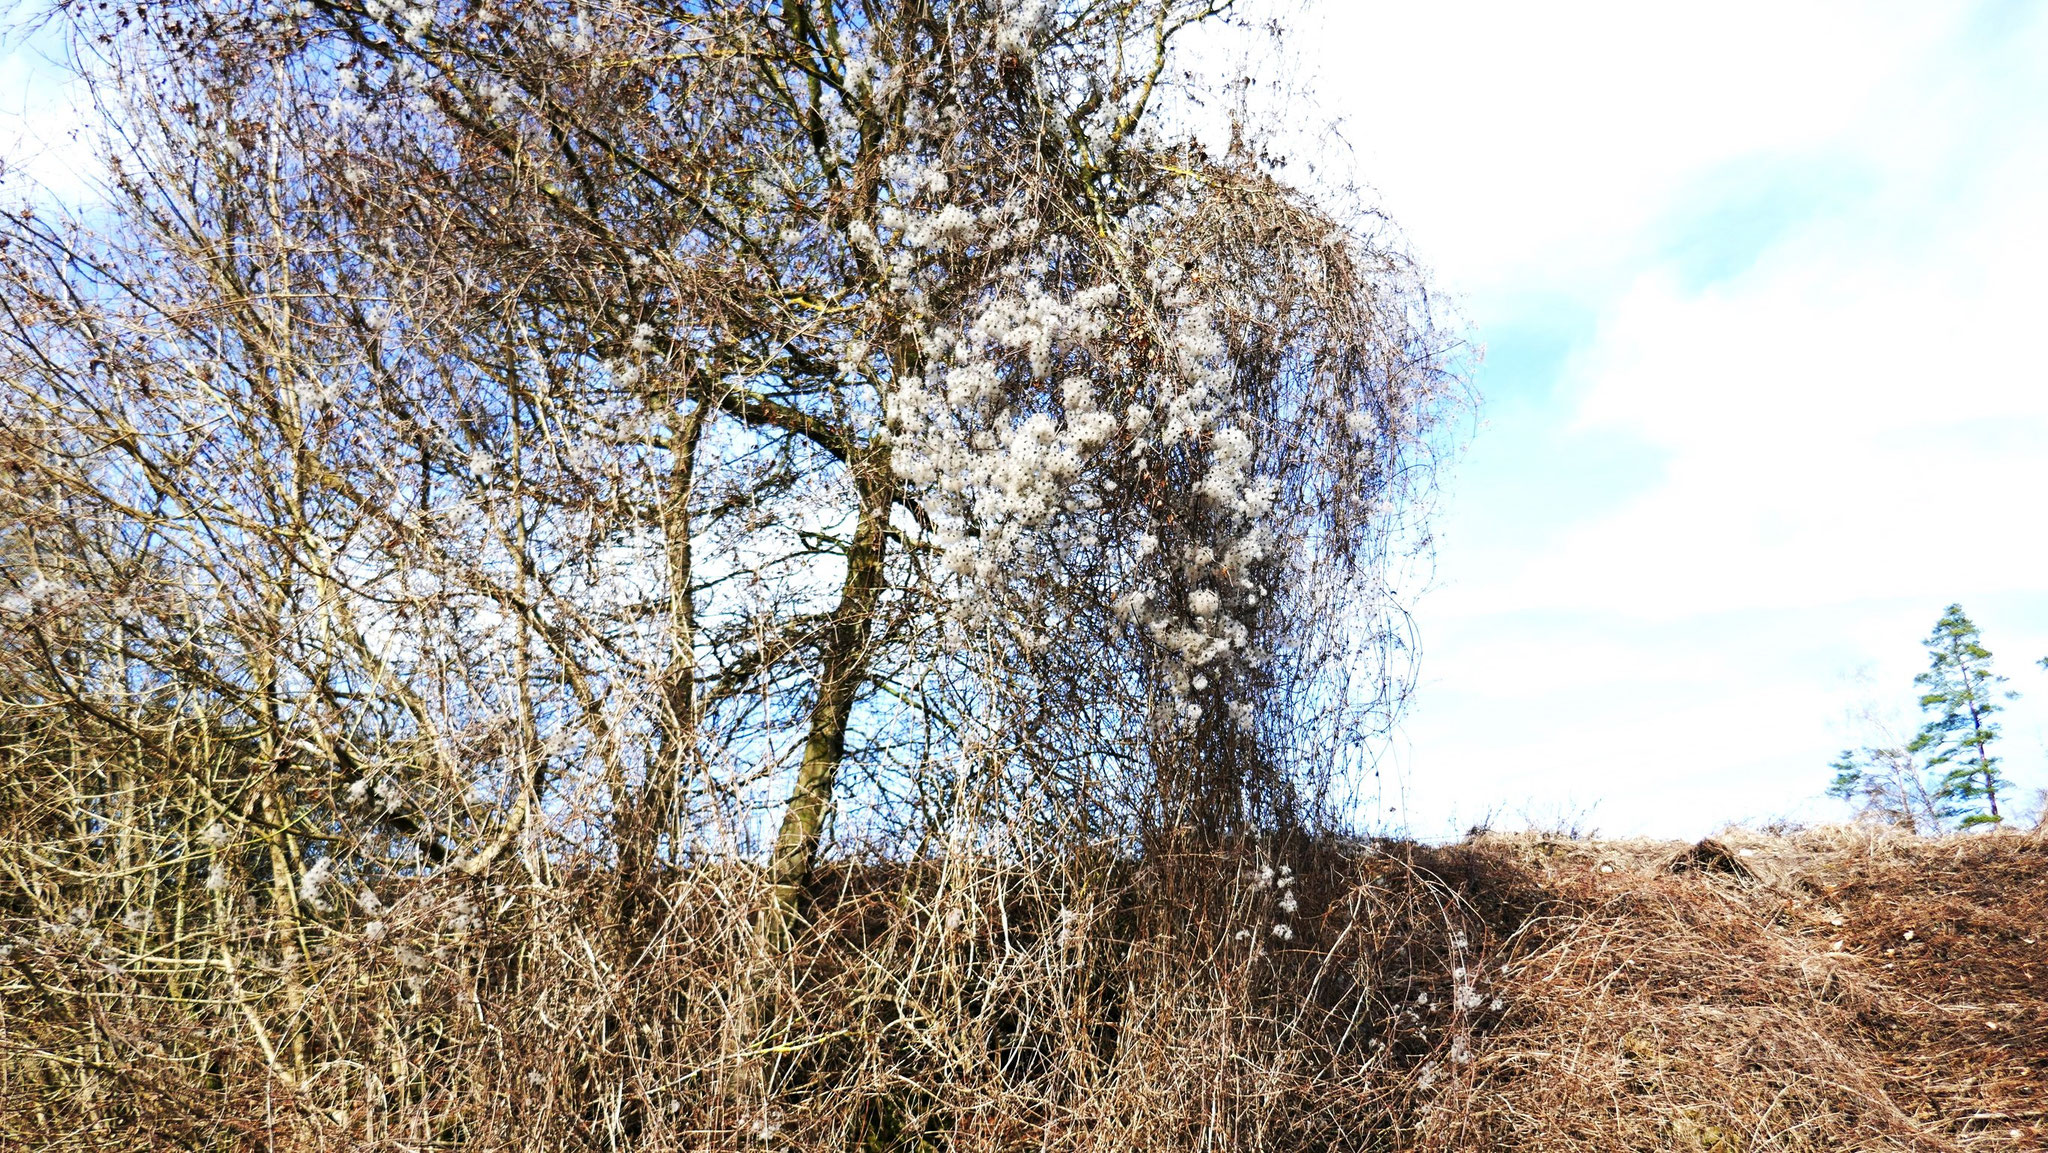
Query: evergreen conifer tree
{"points": [[1961, 697]]}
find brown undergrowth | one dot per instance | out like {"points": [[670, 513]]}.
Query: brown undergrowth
{"points": [[1830, 989]]}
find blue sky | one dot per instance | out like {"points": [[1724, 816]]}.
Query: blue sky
{"points": [[1759, 288]]}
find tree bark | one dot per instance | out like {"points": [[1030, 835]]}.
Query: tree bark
{"points": [[652, 812], [845, 661]]}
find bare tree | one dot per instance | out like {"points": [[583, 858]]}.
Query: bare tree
{"points": [[675, 401], [1888, 784], [479, 438]]}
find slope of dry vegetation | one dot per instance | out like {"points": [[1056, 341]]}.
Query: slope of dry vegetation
{"points": [[1835, 989], [1826, 990]]}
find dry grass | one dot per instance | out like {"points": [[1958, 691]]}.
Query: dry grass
{"points": [[1773, 1002], [1509, 992]]}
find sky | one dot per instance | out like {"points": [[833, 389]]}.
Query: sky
{"points": [[40, 119], [1757, 287]]}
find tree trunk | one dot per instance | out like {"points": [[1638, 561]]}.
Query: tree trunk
{"points": [[845, 661], [642, 822]]}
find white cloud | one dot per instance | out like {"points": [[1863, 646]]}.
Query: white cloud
{"points": [[1523, 144], [1805, 243], [1829, 413]]}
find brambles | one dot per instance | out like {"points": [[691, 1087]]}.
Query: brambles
{"points": [[1856, 987]]}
